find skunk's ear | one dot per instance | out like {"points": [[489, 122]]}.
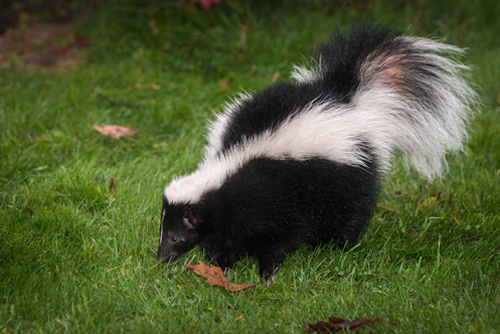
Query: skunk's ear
{"points": [[188, 218]]}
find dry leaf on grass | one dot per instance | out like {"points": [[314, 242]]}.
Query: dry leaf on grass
{"points": [[215, 276], [115, 131], [112, 184], [338, 324]]}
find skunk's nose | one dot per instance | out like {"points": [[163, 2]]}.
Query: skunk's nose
{"points": [[165, 256]]}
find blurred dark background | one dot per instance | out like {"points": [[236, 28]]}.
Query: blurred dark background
{"points": [[16, 12]]}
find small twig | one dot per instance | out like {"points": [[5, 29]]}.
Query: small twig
{"points": [[118, 104], [30, 210]]}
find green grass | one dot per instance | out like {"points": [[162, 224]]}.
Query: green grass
{"points": [[76, 256]]}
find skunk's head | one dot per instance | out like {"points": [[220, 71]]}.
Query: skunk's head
{"points": [[179, 230]]}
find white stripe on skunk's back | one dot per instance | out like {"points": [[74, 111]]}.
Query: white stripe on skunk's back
{"points": [[322, 131], [218, 127]]}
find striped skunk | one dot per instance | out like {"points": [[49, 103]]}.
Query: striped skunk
{"points": [[300, 162]]}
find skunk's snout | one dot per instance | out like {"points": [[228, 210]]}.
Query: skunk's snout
{"points": [[166, 256]]}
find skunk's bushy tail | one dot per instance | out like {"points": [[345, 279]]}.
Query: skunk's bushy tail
{"points": [[408, 93]]}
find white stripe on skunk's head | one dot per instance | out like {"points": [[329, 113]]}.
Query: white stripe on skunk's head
{"points": [[324, 130], [161, 225]]}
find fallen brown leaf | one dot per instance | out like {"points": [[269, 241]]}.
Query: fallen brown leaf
{"points": [[338, 324], [115, 131], [215, 276], [112, 184]]}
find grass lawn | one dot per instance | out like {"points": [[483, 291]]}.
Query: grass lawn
{"points": [[77, 256]]}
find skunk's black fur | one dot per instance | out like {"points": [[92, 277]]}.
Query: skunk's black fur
{"points": [[300, 161]]}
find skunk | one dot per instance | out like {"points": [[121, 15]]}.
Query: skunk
{"points": [[300, 162]]}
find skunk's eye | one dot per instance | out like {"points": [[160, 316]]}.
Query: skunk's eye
{"points": [[174, 239]]}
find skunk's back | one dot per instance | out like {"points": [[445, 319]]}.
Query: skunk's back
{"points": [[365, 95], [404, 93]]}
